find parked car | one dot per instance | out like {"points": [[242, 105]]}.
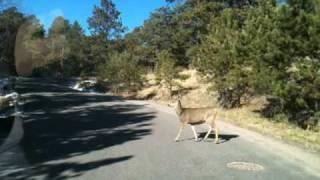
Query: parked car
{"points": [[84, 85], [8, 112], [90, 85], [8, 98]]}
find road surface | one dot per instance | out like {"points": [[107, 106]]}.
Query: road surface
{"points": [[74, 135]]}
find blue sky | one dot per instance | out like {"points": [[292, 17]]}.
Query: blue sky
{"points": [[133, 12]]}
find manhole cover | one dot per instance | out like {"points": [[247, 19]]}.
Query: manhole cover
{"points": [[245, 166]]}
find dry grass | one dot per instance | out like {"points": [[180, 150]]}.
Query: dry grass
{"points": [[148, 92], [289, 133], [192, 82], [150, 80]]}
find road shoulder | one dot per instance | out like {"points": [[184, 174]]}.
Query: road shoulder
{"points": [[307, 160]]}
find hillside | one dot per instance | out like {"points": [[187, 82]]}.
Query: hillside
{"points": [[197, 92]]}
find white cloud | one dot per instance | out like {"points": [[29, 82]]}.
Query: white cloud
{"points": [[48, 18], [56, 12]]}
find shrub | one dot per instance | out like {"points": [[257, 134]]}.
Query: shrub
{"points": [[165, 69], [122, 72]]}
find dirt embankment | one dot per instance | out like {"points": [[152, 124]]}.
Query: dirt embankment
{"points": [[192, 88]]}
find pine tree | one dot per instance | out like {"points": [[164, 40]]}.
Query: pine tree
{"points": [[105, 25], [76, 44], [105, 21], [10, 21]]}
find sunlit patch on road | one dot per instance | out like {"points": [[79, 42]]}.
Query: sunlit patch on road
{"points": [[245, 166]]}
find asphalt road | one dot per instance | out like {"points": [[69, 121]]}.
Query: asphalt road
{"points": [[73, 135]]}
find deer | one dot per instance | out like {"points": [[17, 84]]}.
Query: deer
{"points": [[197, 116]]}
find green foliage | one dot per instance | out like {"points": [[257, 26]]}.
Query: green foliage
{"points": [[76, 40], [106, 27], [175, 28], [10, 21], [105, 21], [246, 47], [165, 69], [122, 72], [300, 91], [222, 55], [265, 49]]}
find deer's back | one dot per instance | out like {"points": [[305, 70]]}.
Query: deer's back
{"points": [[196, 115]]}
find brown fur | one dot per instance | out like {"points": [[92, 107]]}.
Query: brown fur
{"points": [[196, 116]]}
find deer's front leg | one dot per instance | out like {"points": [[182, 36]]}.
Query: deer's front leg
{"points": [[179, 132], [208, 133]]}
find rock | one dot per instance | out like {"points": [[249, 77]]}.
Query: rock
{"points": [[147, 93]]}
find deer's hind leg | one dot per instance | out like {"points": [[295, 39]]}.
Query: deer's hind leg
{"points": [[194, 133], [216, 130], [212, 125]]}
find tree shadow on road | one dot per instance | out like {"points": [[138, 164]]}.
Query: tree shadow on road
{"points": [[62, 129]]}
